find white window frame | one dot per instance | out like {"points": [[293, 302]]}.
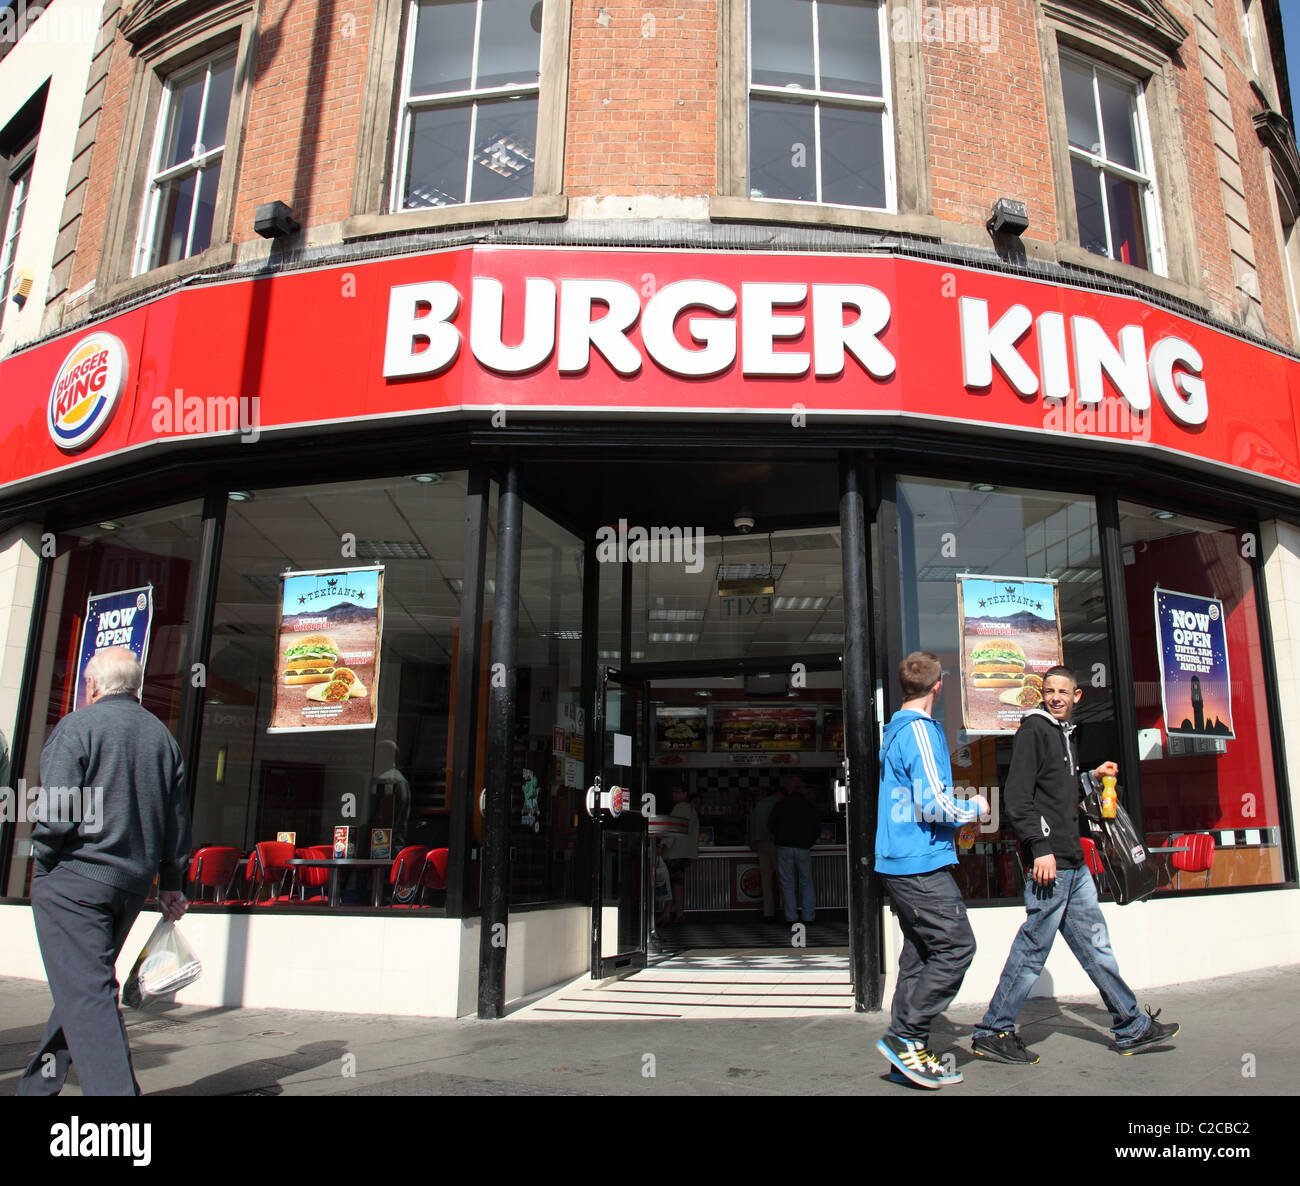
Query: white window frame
{"points": [[1157, 261], [815, 98], [145, 246], [20, 181], [408, 104]]}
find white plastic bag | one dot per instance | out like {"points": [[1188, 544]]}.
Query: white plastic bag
{"points": [[165, 963]]}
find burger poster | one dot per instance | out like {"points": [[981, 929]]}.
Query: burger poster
{"points": [[327, 649], [1194, 686], [1010, 631]]}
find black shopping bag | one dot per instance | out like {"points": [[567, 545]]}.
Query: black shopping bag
{"points": [[1131, 872]]}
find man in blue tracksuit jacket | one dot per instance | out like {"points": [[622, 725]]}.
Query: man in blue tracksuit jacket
{"points": [[916, 830]]}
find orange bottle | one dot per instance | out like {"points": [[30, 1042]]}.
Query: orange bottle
{"points": [[1109, 799]]}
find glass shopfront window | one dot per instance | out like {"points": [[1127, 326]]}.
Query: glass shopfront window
{"points": [[1203, 730], [267, 764], [772, 594], [156, 551], [548, 767], [947, 529]]}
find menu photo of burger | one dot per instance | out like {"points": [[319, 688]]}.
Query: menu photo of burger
{"points": [[1011, 633], [328, 649]]}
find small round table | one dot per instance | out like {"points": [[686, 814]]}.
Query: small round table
{"points": [[334, 864]]}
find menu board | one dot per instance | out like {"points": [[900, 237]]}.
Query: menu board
{"points": [[327, 649], [680, 729], [1010, 630], [1195, 689], [761, 729], [114, 620]]}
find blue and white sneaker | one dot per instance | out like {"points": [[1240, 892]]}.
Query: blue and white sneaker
{"points": [[916, 1063]]}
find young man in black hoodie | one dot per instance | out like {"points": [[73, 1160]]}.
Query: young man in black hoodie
{"points": [[1041, 800]]}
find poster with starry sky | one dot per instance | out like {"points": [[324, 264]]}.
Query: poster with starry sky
{"points": [[1194, 681]]}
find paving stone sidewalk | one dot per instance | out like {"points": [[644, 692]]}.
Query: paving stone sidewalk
{"points": [[1240, 1038]]}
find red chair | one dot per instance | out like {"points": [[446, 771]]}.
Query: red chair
{"points": [[1197, 859], [215, 866], [407, 876], [310, 876], [266, 863], [1092, 858], [435, 871]]}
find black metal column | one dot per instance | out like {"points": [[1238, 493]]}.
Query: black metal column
{"points": [[1120, 675], [203, 600], [463, 790], [500, 758], [586, 854], [859, 737]]}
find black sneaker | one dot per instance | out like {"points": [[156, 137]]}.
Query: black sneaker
{"points": [[1157, 1033], [1004, 1047], [914, 1061]]}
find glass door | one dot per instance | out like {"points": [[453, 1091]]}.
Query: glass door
{"points": [[622, 894]]}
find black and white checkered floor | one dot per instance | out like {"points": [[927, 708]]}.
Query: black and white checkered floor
{"points": [[713, 931], [706, 968]]}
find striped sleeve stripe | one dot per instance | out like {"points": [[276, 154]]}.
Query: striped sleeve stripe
{"points": [[945, 799]]}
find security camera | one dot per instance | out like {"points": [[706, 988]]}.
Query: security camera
{"points": [[743, 522]]}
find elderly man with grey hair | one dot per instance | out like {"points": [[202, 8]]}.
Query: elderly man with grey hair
{"points": [[91, 882]]}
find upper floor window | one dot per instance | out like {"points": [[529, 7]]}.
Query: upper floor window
{"points": [[185, 164], [819, 112], [469, 101], [1110, 155], [19, 181]]}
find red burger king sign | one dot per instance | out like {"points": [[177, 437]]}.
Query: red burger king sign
{"points": [[86, 391]]}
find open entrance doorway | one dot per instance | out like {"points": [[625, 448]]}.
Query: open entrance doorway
{"points": [[720, 692]]}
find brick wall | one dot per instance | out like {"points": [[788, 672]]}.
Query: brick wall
{"points": [[641, 111], [301, 140], [642, 98], [987, 124]]}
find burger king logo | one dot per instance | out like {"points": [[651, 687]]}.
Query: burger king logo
{"points": [[86, 391]]}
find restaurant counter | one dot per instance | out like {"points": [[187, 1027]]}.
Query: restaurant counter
{"points": [[727, 878]]}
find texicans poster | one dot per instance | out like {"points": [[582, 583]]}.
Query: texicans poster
{"points": [[1010, 630], [327, 649], [114, 620], [1193, 647]]}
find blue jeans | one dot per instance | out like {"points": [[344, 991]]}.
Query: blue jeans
{"points": [[1070, 906], [788, 862]]}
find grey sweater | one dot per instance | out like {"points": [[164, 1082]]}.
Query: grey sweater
{"points": [[144, 825]]}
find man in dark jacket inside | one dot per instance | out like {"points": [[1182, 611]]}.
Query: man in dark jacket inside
{"points": [[795, 825], [94, 869], [1041, 801]]}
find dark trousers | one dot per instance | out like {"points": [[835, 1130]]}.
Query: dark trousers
{"points": [[938, 946], [81, 925]]}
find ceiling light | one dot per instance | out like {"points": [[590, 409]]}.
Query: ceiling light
{"points": [[425, 479], [656, 637], [110, 525], [1163, 515], [800, 603], [240, 496], [983, 487], [676, 615], [391, 549]]}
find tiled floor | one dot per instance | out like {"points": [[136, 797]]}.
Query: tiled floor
{"points": [[730, 983]]}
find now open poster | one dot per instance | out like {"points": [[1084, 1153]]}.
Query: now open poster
{"points": [[118, 619], [1195, 689]]}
